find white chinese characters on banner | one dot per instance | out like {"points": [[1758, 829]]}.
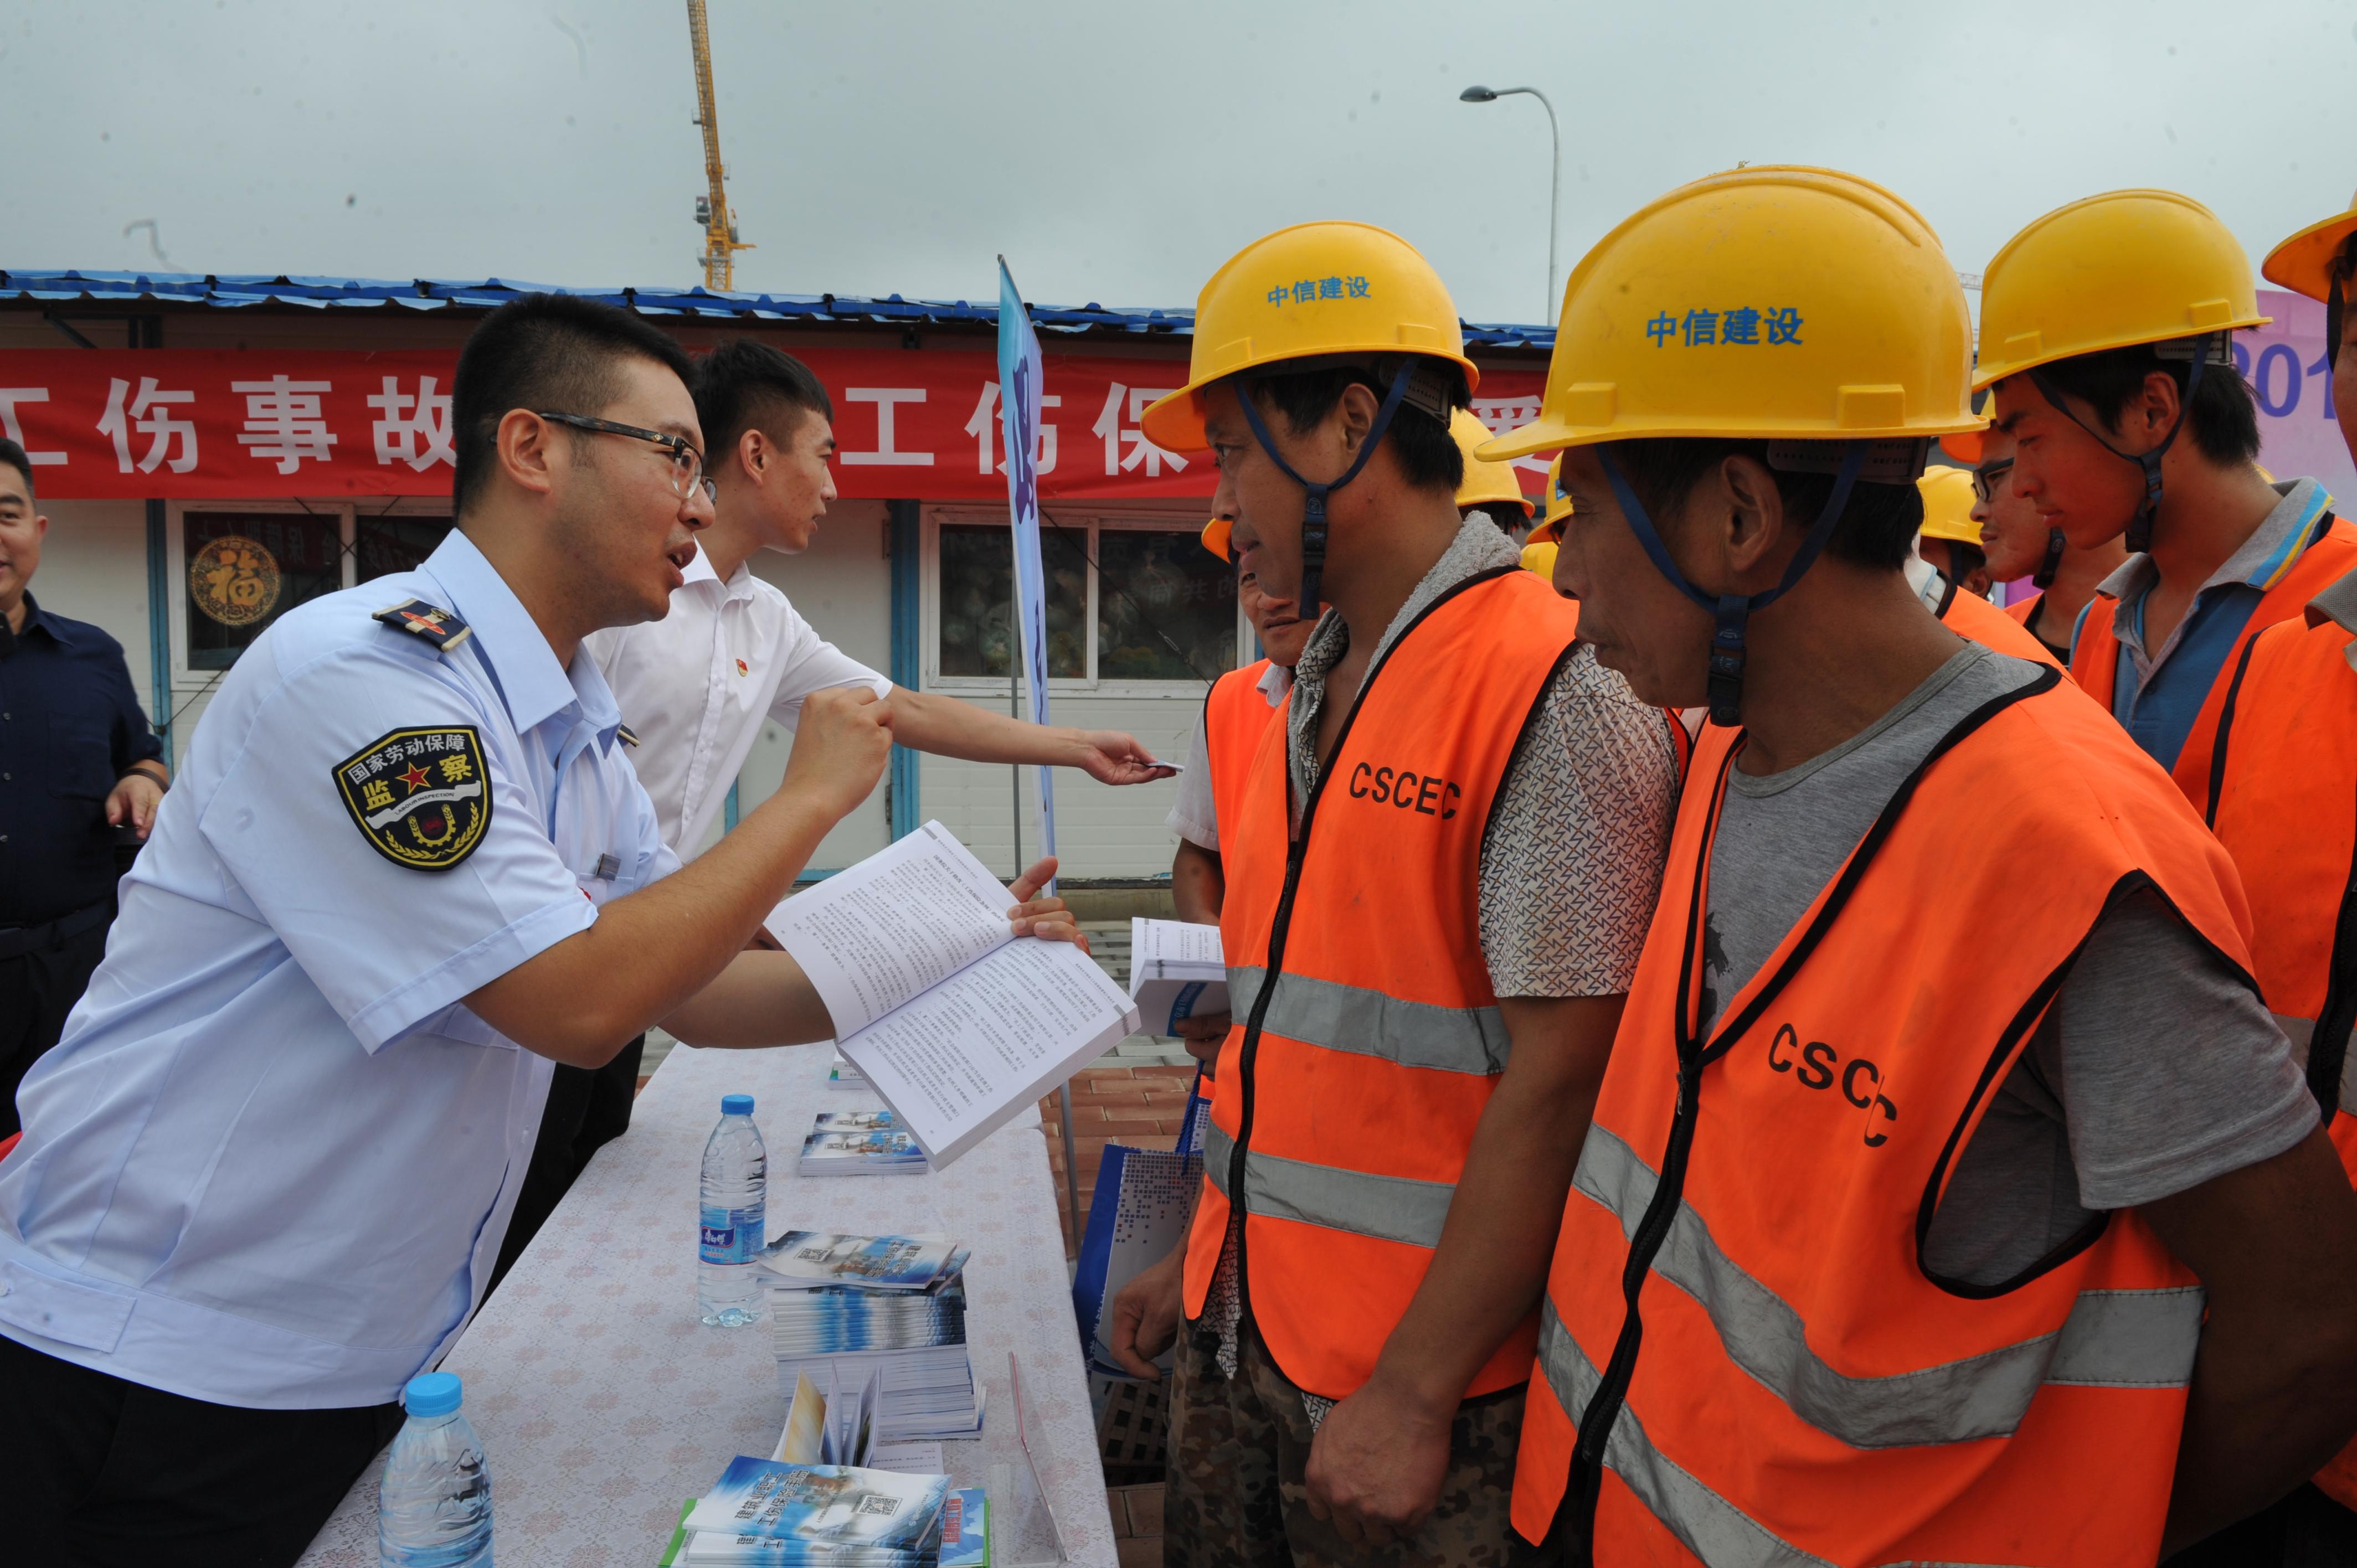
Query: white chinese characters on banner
{"points": [[888, 400], [983, 428], [9, 398], [414, 429], [283, 420], [149, 413], [1504, 413], [1125, 445]]}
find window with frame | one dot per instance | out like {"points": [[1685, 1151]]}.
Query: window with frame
{"points": [[246, 568], [1128, 602]]}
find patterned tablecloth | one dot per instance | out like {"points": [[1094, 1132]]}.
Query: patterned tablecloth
{"points": [[603, 1403]]}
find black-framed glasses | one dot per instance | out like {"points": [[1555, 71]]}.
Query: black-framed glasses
{"points": [[1986, 477], [687, 462]]}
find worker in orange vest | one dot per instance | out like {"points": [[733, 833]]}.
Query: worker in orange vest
{"points": [[1436, 884], [2019, 543], [2286, 808], [2106, 330], [1891, 1233], [1240, 704]]}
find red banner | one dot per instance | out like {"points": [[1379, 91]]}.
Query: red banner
{"points": [[246, 424]]}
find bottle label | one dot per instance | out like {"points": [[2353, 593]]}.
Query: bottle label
{"points": [[730, 1235]]}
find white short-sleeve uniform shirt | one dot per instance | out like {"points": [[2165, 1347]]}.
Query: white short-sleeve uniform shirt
{"points": [[272, 1159], [695, 685]]}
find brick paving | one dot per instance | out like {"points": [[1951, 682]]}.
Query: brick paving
{"points": [[1136, 1525]]}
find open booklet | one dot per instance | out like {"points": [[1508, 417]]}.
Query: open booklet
{"points": [[957, 1023]]}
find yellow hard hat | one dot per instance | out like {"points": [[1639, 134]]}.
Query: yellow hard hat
{"points": [[1538, 556], [1775, 302], [1948, 505], [1215, 536], [1558, 507], [1313, 290], [1801, 306], [2111, 271], [1484, 482], [2303, 263]]}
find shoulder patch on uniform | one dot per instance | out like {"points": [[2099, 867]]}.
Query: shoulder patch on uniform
{"points": [[419, 796], [437, 625], [625, 734]]}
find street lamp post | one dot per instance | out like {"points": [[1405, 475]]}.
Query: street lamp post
{"points": [[1554, 170]]}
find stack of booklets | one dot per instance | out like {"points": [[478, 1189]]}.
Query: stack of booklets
{"points": [[860, 1143], [1176, 972], [838, 1516], [849, 1312], [845, 1073]]}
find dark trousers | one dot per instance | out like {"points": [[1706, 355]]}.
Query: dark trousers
{"points": [[587, 1109], [2305, 1530], [37, 989], [95, 1471]]}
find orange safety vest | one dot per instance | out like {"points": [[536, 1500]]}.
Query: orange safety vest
{"points": [[1803, 1391], [1972, 617], [1368, 1038], [2019, 608], [1234, 714], [2330, 551], [2284, 802]]}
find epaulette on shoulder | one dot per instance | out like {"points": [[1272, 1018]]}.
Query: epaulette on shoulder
{"points": [[437, 625]]}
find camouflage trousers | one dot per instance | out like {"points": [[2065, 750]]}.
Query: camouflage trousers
{"points": [[1236, 1495]]}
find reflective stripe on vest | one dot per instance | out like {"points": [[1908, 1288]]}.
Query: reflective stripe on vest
{"points": [[1353, 1018], [1785, 1382], [1390, 1209], [2112, 1338]]}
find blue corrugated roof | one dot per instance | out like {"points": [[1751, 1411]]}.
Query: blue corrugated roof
{"points": [[234, 291]]}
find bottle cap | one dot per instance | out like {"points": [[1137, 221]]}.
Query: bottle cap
{"points": [[432, 1393], [736, 1105]]}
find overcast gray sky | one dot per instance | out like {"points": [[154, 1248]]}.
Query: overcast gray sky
{"points": [[1115, 153]]}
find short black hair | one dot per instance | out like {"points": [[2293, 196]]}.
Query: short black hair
{"points": [[744, 384], [2221, 417], [13, 457], [1428, 454], [1876, 530], [556, 352]]}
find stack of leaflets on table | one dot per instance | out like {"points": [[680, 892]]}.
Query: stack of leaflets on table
{"points": [[846, 1309], [846, 1071], [965, 1538], [766, 1511], [859, 1143], [807, 1260]]}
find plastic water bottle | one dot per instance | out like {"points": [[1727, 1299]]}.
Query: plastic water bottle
{"points": [[434, 1504], [735, 1214]]}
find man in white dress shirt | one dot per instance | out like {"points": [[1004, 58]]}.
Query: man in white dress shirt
{"points": [[404, 872], [695, 686]]}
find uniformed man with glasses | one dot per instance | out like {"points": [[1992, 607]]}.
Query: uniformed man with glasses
{"points": [[406, 871]]}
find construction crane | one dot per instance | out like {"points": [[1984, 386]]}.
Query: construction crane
{"points": [[720, 241]]}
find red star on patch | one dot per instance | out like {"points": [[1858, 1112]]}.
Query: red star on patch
{"points": [[415, 777]]}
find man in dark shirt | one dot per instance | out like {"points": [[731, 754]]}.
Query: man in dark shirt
{"points": [[77, 758]]}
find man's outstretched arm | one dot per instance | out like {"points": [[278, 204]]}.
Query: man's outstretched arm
{"points": [[923, 721]]}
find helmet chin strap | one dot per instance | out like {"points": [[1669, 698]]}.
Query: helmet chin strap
{"points": [[2139, 534], [2044, 577], [1733, 611], [1313, 510]]}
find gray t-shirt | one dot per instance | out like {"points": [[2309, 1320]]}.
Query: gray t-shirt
{"points": [[2116, 1102]]}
